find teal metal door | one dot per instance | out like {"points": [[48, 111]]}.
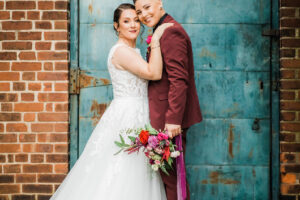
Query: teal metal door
{"points": [[232, 154]]}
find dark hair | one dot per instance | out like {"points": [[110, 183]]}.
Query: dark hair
{"points": [[134, 1], [119, 10]]}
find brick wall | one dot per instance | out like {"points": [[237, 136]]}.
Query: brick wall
{"points": [[33, 98], [290, 98]]}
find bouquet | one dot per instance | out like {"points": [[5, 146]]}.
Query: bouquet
{"points": [[156, 145]]}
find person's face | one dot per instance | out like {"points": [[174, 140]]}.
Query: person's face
{"points": [[129, 25], [149, 11]]}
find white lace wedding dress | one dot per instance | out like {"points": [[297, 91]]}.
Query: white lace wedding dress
{"points": [[98, 174]]}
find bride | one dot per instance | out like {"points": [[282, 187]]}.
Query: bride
{"points": [[98, 174]]}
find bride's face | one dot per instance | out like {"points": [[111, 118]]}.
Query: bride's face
{"points": [[129, 25]]}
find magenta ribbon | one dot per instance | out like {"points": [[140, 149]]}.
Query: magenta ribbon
{"points": [[181, 177]]}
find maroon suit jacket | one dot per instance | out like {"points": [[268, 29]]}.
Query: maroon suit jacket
{"points": [[173, 99]]}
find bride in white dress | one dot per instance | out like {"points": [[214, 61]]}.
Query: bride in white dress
{"points": [[98, 174]]}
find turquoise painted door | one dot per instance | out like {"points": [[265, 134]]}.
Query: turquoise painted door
{"points": [[229, 153]]}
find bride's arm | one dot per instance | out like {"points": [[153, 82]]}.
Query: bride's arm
{"points": [[126, 58]]}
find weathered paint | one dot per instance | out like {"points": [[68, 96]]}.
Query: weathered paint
{"points": [[228, 154]]}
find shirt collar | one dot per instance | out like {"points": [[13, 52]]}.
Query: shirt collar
{"points": [[160, 21]]}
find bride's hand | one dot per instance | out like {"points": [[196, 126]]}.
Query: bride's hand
{"points": [[159, 32]]}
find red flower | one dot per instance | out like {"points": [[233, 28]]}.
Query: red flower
{"points": [[148, 40], [144, 135], [167, 153]]}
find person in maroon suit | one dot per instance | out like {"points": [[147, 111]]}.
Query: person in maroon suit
{"points": [[173, 100]]}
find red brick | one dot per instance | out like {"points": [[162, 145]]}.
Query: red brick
{"points": [[288, 53], [62, 127], [290, 42], [37, 168], [290, 127], [290, 105], [61, 148], [29, 107], [6, 107], [9, 76], [14, 168], [40, 127], [287, 74], [29, 35], [10, 189], [10, 148], [61, 5], [290, 147], [7, 36], [27, 56], [37, 158], [23, 197], [10, 116], [8, 56], [61, 25], [21, 157], [28, 148], [16, 127], [52, 76], [18, 86], [28, 76], [1, 128], [37, 188], [61, 168], [34, 86], [56, 35], [8, 138], [57, 158], [61, 87], [26, 178], [43, 25], [51, 178], [53, 97], [17, 45], [12, 97], [20, 5], [287, 32], [287, 95], [16, 25], [62, 46], [4, 15], [288, 116], [54, 15], [52, 56], [1, 5], [4, 66], [33, 15], [45, 148], [61, 107], [48, 66], [27, 96], [61, 66], [45, 5], [53, 117], [287, 12], [44, 197], [7, 179], [4, 86], [27, 137], [29, 117], [43, 45], [18, 15], [26, 66], [290, 22], [289, 3]]}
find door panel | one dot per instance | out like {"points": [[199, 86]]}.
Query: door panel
{"points": [[228, 154]]}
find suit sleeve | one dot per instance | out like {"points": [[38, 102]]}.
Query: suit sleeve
{"points": [[174, 51]]}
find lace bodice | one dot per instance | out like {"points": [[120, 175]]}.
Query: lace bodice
{"points": [[125, 84]]}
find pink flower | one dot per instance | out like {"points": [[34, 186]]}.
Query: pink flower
{"points": [[162, 136], [149, 39], [157, 162], [152, 142]]}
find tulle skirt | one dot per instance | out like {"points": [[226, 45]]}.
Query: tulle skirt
{"points": [[98, 174]]}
